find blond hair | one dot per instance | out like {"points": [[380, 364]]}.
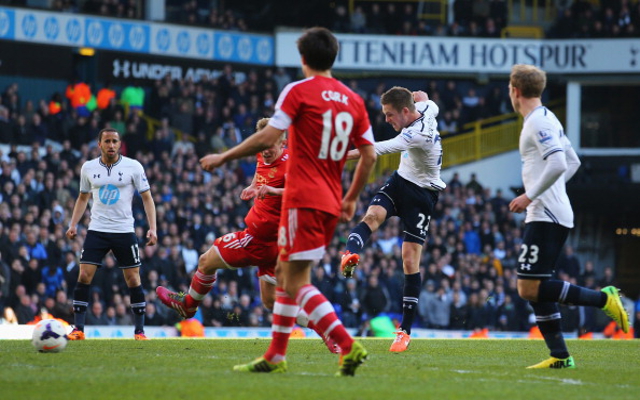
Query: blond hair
{"points": [[262, 123], [529, 79]]}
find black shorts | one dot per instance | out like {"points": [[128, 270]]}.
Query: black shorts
{"points": [[412, 203], [123, 245], [542, 243]]}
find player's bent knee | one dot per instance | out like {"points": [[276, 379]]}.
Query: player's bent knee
{"points": [[85, 277], [209, 262], [373, 221], [291, 289], [528, 289]]}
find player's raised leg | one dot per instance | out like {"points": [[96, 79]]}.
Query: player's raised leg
{"points": [[359, 236], [614, 308], [201, 283]]}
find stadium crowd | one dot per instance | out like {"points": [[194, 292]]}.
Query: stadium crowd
{"points": [[478, 18], [467, 272]]}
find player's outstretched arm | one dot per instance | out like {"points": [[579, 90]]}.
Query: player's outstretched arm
{"points": [[363, 170], [78, 210], [255, 143], [150, 210]]}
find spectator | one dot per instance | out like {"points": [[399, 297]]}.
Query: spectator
{"points": [[341, 21], [358, 20], [458, 314], [350, 304], [123, 317], [62, 308], [53, 279], [26, 310], [152, 317], [374, 298], [569, 263], [96, 316], [437, 309]]}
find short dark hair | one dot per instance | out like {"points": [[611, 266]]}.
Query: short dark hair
{"points": [[398, 98], [318, 47], [106, 130]]}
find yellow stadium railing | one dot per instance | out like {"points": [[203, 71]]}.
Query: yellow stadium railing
{"points": [[522, 32], [480, 139]]}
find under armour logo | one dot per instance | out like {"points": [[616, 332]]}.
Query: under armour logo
{"points": [[376, 200], [121, 68], [525, 267], [96, 176]]}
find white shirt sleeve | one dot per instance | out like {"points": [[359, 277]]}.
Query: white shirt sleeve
{"points": [[555, 165], [547, 140], [428, 108], [85, 183], [280, 120], [405, 140], [140, 178], [573, 162]]}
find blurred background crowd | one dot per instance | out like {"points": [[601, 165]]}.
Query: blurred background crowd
{"points": [[470, 18], [468, 269]]}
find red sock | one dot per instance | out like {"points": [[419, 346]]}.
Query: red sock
{"points": [[201, 284], [285, 311], [323, 317], [303, 320]]}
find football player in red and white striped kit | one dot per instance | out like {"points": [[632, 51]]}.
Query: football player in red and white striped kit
{"points": [[323, 118]]}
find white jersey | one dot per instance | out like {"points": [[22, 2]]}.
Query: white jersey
{"points": [[421, 148], [542, 135], [112, 188]]}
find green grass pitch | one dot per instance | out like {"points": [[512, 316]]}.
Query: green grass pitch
{"points": [[202, 369]]}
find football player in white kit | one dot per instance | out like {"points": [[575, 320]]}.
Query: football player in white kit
{"points": [[411, 193], [548, 162], [112, 180]]}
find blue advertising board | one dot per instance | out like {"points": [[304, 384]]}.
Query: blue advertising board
{"points": [[134, 36]]}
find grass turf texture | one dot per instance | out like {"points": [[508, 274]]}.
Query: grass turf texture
{"points": [[202, 368]]}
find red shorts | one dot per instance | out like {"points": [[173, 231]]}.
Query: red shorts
{"points": [[305, 233], [241, 249]]}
